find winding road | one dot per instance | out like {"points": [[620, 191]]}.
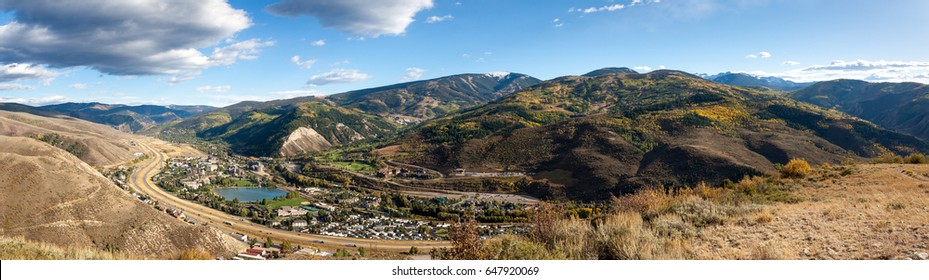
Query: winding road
{"points": [[141, 181]]}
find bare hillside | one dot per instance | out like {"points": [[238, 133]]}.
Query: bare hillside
{"points": [[104, 145], [48, 195]]}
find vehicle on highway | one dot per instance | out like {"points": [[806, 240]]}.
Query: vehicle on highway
{"points": [[351, 245], [228, 223], [319, 241]]}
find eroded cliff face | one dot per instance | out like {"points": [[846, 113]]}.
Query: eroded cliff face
{"points": [[304, 140]]}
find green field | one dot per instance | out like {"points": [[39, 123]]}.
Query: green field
{"points": [[243, 183], [275, 204], [334, 159]]}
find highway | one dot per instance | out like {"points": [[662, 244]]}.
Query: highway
{"points": [[141, 181]]}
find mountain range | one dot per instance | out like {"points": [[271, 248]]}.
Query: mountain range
{"points": [[123, 117], [748, 80], [596, 136], [309, 124], [903, 107], [603, 133]]}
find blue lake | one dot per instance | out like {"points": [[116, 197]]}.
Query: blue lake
{"points": [[249, 194]]}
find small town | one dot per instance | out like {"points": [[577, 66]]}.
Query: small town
{"points": [[330, 205]]}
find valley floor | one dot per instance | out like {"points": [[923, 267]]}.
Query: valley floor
{"points": [[879, 212]]}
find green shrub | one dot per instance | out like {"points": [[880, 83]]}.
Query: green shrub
{"points": [[916, 158]]}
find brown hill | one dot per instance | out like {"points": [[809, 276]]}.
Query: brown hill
{"points": [[48, 195], [93, 143], [611, 134]]}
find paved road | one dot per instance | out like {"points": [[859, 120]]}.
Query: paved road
{"points": [[142, 182]]}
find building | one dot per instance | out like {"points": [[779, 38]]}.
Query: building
{"points": [[191, 184], [300, 224], [290, 211]]}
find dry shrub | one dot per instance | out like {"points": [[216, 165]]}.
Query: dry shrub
{"points": [[194, 254], [764, 218], [700, 212], [624, 236], [649, 201], [465, 239], [671, 225], [771, 250], [18, 248], [796, 168], [511, 247]]}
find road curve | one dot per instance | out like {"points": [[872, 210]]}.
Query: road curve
{"points": [[141, 181]]}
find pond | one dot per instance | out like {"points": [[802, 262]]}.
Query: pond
{"points": [[249, 194]]}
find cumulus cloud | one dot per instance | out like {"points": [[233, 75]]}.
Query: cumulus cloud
{"points": [[359, 17], [338, 76], [758, 55], [791, 62], [5, 87], [413, 74], [141, 37], [78, 86], [434, 19], [305, 64], [223, 88], [35, 101], [319, 43], [874, 71], [557, 22], [642, 68], [19, 72]]}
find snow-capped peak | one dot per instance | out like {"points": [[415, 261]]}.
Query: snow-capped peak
{"points": [[497, 75]]}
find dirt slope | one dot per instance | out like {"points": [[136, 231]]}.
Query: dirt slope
{"points": [[48, 195], [105, 145]]}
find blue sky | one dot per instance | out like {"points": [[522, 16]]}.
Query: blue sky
{"points": [[219, 52]]}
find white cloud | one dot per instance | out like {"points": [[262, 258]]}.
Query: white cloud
{"points": [[642, 68], [359, 17], [305, 64], [662, 67], [873, 71], [434, 19], [141, 37], [791, 62], [338, 76], [20, 72], [319, 43], [78, 86], [36, 101], [244, 50], [223, 88], [5, 87], [758, 55], [413, 74], [557, 22], [607, 8]]}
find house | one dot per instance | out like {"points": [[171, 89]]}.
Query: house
{"points": [[191, 184], [300, 224], [290, 211], [138, 154], [327, 207]]}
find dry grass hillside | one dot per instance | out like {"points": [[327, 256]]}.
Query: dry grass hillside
{"points": [[48, 195], [104, 145], [872, 211]]}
